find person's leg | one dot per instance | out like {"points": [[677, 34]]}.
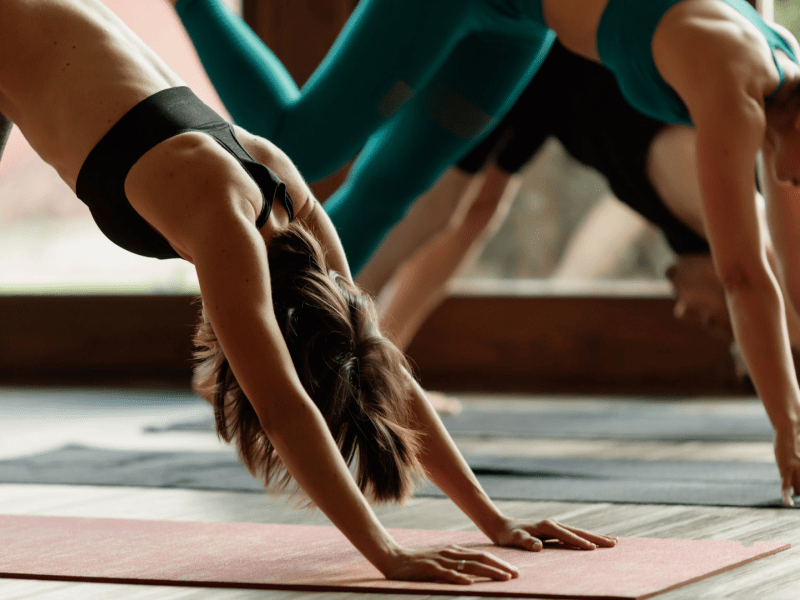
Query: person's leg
{"points": [[385, 53], [453, 192], [421, 283], [447, 201], [672, 171], [596, 247], [700, 297], [479, 83]]}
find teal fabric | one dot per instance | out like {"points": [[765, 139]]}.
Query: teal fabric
{"points": [[624, 41], [411, 85]]}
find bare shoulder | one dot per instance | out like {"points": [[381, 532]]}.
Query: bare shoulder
{"points": [[788, 36], [707, 52], [276, 159]]}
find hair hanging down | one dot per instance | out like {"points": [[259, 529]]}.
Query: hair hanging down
{"points": [[352, 373]]}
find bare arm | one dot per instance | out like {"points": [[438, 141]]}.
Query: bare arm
{"points": [[211, 218], [307, 209], [723, 77], [318, 221], [730, 131], [449, 471]]}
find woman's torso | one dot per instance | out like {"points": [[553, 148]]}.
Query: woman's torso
{"points": [[90, 69], [630, 38]]}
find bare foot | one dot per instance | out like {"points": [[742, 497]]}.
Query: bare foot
{"points": [[444, 404]]}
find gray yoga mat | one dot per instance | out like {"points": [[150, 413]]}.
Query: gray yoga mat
{"points": [[678, 421], [574, 480]]}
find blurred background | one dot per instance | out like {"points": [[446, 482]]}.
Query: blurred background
{"points": [[49, 244]]}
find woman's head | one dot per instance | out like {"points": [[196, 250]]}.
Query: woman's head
{"points": [[353, 374]]}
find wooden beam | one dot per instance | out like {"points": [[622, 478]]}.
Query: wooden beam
{"points": [[534, 337], [516, 336], [83, 340]]}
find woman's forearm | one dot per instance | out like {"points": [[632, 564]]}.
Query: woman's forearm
{"points": [[307, 449], [757, 317], [446, 467], [728, 140], [231, 262]]}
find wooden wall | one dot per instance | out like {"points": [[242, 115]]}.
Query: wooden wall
{"points": [[519, 336]]}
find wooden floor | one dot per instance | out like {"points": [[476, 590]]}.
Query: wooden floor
{"points": [[774, 577]]}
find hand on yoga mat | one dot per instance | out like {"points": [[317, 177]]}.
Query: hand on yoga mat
{"points": [[531, 536], [454, 564], [787, 455]]}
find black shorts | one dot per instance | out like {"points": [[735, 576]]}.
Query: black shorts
{"points": [[578, 102]]}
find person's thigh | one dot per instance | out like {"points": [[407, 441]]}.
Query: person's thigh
{"points": [[468, 96], [672, 170], [385, 54], [429, 215]]}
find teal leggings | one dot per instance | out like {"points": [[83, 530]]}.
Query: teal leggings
{"points": [[412, 85]]}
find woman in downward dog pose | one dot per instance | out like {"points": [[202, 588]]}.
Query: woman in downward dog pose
{"points": [[714, 64], [648, 165], [299, 374]]}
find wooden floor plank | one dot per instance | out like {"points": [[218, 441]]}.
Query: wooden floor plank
{"points": [[777, 574], [773, 577]]}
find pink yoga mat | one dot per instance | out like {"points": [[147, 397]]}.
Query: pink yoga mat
{"points": [[305, 557]]}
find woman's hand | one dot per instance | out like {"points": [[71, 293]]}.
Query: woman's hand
{"points": [[787, 455], [453, 564], [531, 536]]}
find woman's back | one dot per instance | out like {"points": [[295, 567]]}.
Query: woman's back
{"points": [[90, 70]]}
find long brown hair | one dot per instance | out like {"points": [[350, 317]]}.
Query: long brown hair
{"points": [[355, 376]]}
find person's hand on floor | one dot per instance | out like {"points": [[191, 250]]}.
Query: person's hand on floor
{"points": [[699, 296], [454, 564], [531, 536], [787, 455]]}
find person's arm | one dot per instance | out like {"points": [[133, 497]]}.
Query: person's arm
{"points": [[783, 219], [447, 468], [421, 282], [306, 208], [722, 80], [730, 130], [213, 225]]}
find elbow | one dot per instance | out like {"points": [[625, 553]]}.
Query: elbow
{"points": [[793, 294], [750, 280], [735, 278]]}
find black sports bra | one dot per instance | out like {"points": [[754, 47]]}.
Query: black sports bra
{"points": [[101, 181]]}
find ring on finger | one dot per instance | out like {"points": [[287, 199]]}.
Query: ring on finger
{"points": [[460, 567]]}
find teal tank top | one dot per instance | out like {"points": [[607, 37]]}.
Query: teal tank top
{"points": [[624, 43]]}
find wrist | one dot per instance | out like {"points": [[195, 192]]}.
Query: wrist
{"points": [[387, 559], [788, 421], [497, 526]]}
